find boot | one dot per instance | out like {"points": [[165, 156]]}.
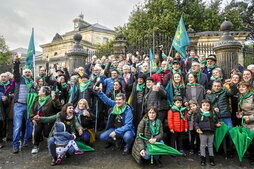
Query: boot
{"points": [[203, 161], [158, 163], [212, 161]]}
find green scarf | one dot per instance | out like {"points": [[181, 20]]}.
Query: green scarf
{"points": [[176, 71], [192, 84], [218, 93], [42, 100], [63, 84], [140, 87], [117, 110], [29, 83], [43, 76], [93, 77], [205, 114], [243, 98], [203, 61], [164, 55], [192, 59], [84, 85], [177, 89], [180, 110], [114, 93], [211, 67], [154, 127], [120, 71], [5, 84], [72, 92], [213, 78], [160, 70], [198, 75]]}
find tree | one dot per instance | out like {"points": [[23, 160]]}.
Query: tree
{"points": [[5, 54]]}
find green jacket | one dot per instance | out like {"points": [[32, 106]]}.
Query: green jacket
{"points": [[74, 125], [221, 101]]}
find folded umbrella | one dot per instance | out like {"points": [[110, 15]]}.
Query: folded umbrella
{"points": [[219, 135], [159, 148], [241, 138]]}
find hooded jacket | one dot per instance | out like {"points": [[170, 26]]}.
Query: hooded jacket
{"points": [[61, 136]]}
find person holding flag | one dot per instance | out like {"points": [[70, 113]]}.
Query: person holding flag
{"points": [[23, 85]]}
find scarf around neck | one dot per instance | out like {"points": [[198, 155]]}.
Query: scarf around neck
{"points": [[84, 85], [42, 100], [29, 83], [154, 127], [140, 87], [244, 97], [204, 114], [5, 84], [180, 110]]}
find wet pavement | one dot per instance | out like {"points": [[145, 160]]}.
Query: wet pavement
{"points": [[106, 159]]}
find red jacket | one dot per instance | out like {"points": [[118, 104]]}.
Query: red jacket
{"points": [[175, 122], [160, 77]]}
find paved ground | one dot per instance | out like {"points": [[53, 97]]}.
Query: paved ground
{"points": [[105, 158]]}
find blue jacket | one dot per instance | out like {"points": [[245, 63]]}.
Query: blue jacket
{"points": [[127, 116], [108, 83], [61, 136]]}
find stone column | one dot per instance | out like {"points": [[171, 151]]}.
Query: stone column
{"points": [[77, 55], [227, 49]]}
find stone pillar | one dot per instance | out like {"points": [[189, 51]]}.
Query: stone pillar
{"points": [[77, 55], [227, 49], [120, 46]]}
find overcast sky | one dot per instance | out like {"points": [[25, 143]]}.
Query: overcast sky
{"points": [[49, 17]]}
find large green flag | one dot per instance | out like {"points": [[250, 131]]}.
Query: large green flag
{"points": [[30, 53], [181, 39], [153, 65]]}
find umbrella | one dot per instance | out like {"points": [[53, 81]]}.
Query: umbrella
{"points": [[83, 146], [241, 138], [219, 135], [159, 148], [30, 101]]}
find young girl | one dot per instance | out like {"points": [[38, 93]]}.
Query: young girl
{"points": [[193, 108], [85, 118], [205, 122], [177, 123]]}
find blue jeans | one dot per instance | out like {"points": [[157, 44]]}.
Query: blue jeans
{"points": [[52, 148], [20, 112], [228, 121], [128, 136], [85, 136]]}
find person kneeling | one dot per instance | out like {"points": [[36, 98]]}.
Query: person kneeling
{"points": [[120, 121], [151, 128]]}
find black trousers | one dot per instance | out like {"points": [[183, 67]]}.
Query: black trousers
{"points": [[40, 130], [2, 130], [178, 137], [194, 136]]}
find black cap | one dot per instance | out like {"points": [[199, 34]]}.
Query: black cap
{"points": [[150, 78], [84, 76], [175, 61]]}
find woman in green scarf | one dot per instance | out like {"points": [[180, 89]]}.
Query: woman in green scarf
{"points": [[216, 75], [86, 89], [151, 127], [45, 105], [246, 105], [117, 88]]}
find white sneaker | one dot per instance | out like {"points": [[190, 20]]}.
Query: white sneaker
{"points": [[35, 150]]}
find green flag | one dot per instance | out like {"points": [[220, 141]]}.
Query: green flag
{"points": [[153, 65], [30, 53], [30, 101], [181, 39]]}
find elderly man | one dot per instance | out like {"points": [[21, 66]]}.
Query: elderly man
{"points": [[202, 78], [23, 86], [161, 74], [129, 80], [120, 121], [192, 58]]}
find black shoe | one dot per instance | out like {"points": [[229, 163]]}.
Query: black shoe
{"points": [[158, 163], [1, 145], [203, 161], [212, 161], [108, 145], [53, 162], [252, 162], [15, 150], [126, 151]]}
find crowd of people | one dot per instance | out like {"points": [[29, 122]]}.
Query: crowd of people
{"points": [[183, 101]]}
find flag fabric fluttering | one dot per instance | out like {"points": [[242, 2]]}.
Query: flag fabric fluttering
{"points": [[181, 39], [153, 65], [30, 53]]}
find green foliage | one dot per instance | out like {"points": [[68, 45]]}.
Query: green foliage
{"points": [[106, 49], [162, 16], [5, 54]]}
